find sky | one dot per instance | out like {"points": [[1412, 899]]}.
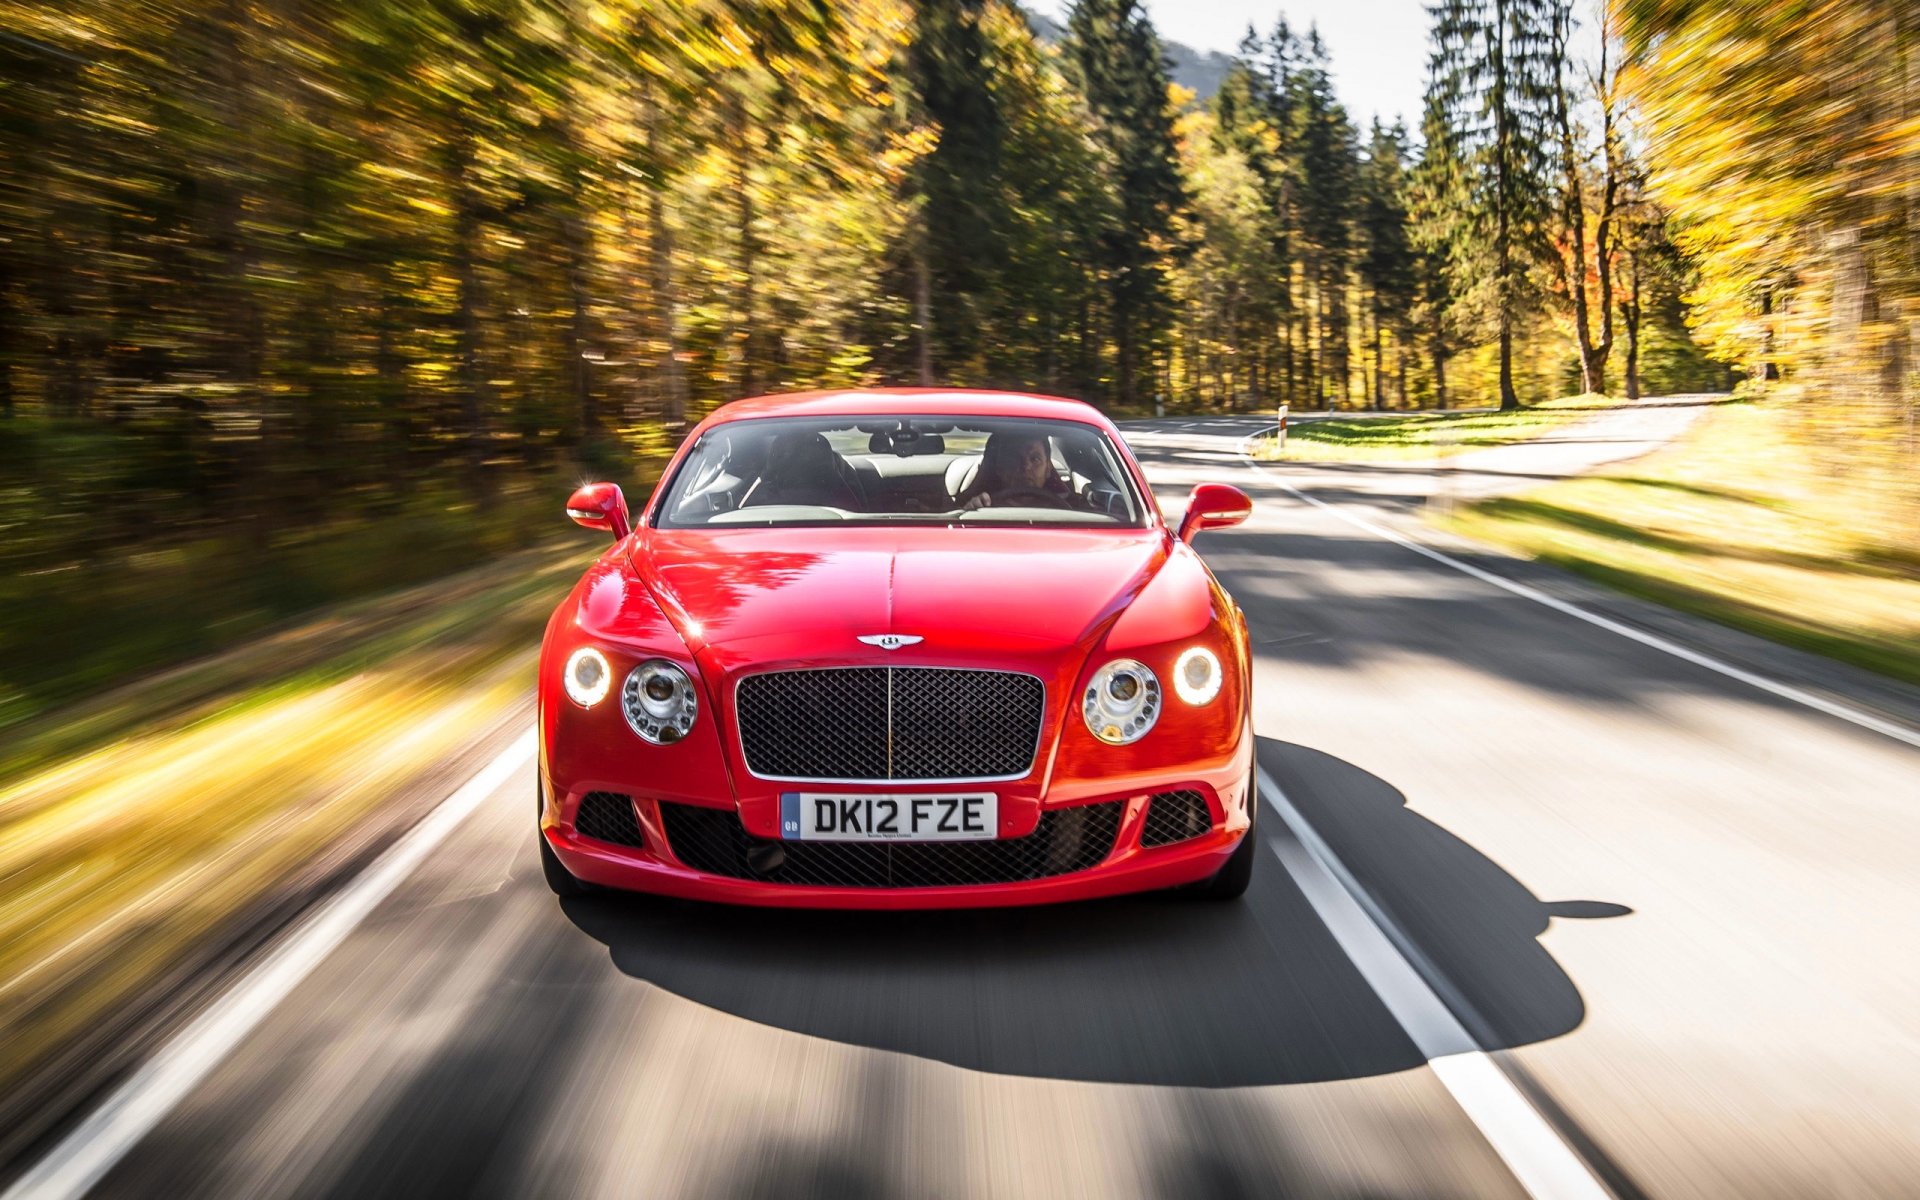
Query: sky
{"points": [[1379, 47]]}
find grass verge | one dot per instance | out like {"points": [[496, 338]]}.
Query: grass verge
{"points": [[1731, 523], [126, 858], [1404, 436]]}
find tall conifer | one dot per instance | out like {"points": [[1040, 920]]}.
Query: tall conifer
{"points": [[1119, 65], [1492, 83]]}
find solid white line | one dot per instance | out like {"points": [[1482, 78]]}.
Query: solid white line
{"points": [[1547, 1168], [1785, 691], [85, 1155]]}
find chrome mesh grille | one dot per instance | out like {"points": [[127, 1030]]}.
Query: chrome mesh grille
{"points": [[890, 723], [608, 817], [1066, 840], [1175, 817]]}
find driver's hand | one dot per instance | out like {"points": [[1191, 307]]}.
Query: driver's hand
{"points": [[983, 500]]}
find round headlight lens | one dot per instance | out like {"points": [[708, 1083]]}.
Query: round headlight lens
{"points": [[660, 701], [587, 677], [1122, 701], [1196, 675]]}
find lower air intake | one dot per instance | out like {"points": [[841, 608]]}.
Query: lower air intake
{"points": [[608, 817], [1066, 840], [1175, 817]]}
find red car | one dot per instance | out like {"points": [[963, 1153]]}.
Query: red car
{"points": [[899, 648]]}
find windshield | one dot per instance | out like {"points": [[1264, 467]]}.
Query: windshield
{"points": [[907, 469]]}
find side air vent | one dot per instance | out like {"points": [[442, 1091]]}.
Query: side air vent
{"points": [[608, 817], [1175, 817]]}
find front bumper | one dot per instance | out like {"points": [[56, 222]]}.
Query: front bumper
{"points": [[1129, 866]]}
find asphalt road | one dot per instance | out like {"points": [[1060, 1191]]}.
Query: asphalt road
{"points": [[1681, 911]]}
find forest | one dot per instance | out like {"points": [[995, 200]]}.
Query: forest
{"points": [[305, 297]]}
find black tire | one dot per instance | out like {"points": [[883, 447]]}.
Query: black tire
{"points": [[1230, 882], [561, 881]]}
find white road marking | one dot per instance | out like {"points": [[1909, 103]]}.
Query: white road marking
{"points": [[85, 1155], [1785, 691], [1532, 1149]]}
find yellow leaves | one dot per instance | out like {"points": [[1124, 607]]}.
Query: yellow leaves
{"points": [[121, 120], [426, 205]]}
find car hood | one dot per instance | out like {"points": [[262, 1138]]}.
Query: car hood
{"points": [[811, 593]]}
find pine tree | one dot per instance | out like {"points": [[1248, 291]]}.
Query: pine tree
{"points": [[1253, 113], [1437, 225], [1325, 167], [1584, 250], [959, 246], [1121, 70], [1386, 258], [1492, 86]]}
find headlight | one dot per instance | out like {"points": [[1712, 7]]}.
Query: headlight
{"points": [[1196, 675], [660, 701], [587, 676], [1122, 701]]}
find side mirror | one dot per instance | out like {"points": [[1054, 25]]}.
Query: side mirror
{"points": [[600, 506], [1214, 506]]}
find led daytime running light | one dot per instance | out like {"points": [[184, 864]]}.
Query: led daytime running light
{"points": [[1196, 675], [587, 677]]}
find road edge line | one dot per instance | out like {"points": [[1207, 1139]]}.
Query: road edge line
{"points": [[1784, 691], [1546, 1166], [82, 1158]]}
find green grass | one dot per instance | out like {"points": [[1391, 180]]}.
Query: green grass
{"points": [[1735, 523], [1403, 436], [135, 829], [111, 568]]}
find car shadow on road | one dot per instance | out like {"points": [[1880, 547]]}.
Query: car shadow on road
{"points": [[1158, 989]]}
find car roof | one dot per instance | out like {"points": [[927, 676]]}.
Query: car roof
{"points": [[915, 401]]}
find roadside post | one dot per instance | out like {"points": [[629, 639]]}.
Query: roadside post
{"points": [[1446, 441], [1159, 405], [1280, 438]]}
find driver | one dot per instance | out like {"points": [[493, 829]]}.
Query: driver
{"points": [[1015, 462]]}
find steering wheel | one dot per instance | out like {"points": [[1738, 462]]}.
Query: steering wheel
{"points": [[1028, 497]]}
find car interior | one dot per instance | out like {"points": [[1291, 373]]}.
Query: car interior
{"points": [[787, 470]]}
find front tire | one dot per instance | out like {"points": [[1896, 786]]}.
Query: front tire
{"points": [[560, 881], [1230, 882]]}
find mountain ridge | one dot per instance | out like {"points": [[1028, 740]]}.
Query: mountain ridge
{"points": [[1200, 71]]}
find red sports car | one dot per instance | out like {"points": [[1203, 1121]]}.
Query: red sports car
{"points": [[901, 648]]}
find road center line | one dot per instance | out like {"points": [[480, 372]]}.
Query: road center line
{"points": [[1785, 691], [82, 1158], [1532, 1149]]}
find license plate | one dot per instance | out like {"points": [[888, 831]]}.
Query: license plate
{"points": [[870, 817]]}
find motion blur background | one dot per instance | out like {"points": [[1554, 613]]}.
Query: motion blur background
{"points": [[306, 301]]}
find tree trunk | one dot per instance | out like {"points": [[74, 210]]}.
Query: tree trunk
{"points": [[1503, 185], [743, 187], [1083, 346], [1509, 399], [475, 401], [1630, 317], [1400, 361], [245, 334], [923, 308], [576, 247], [1379, 379], [1288, 385], [8, 318], [1767, 369], [1573, 207], [1049, 361], [673, 386]]}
